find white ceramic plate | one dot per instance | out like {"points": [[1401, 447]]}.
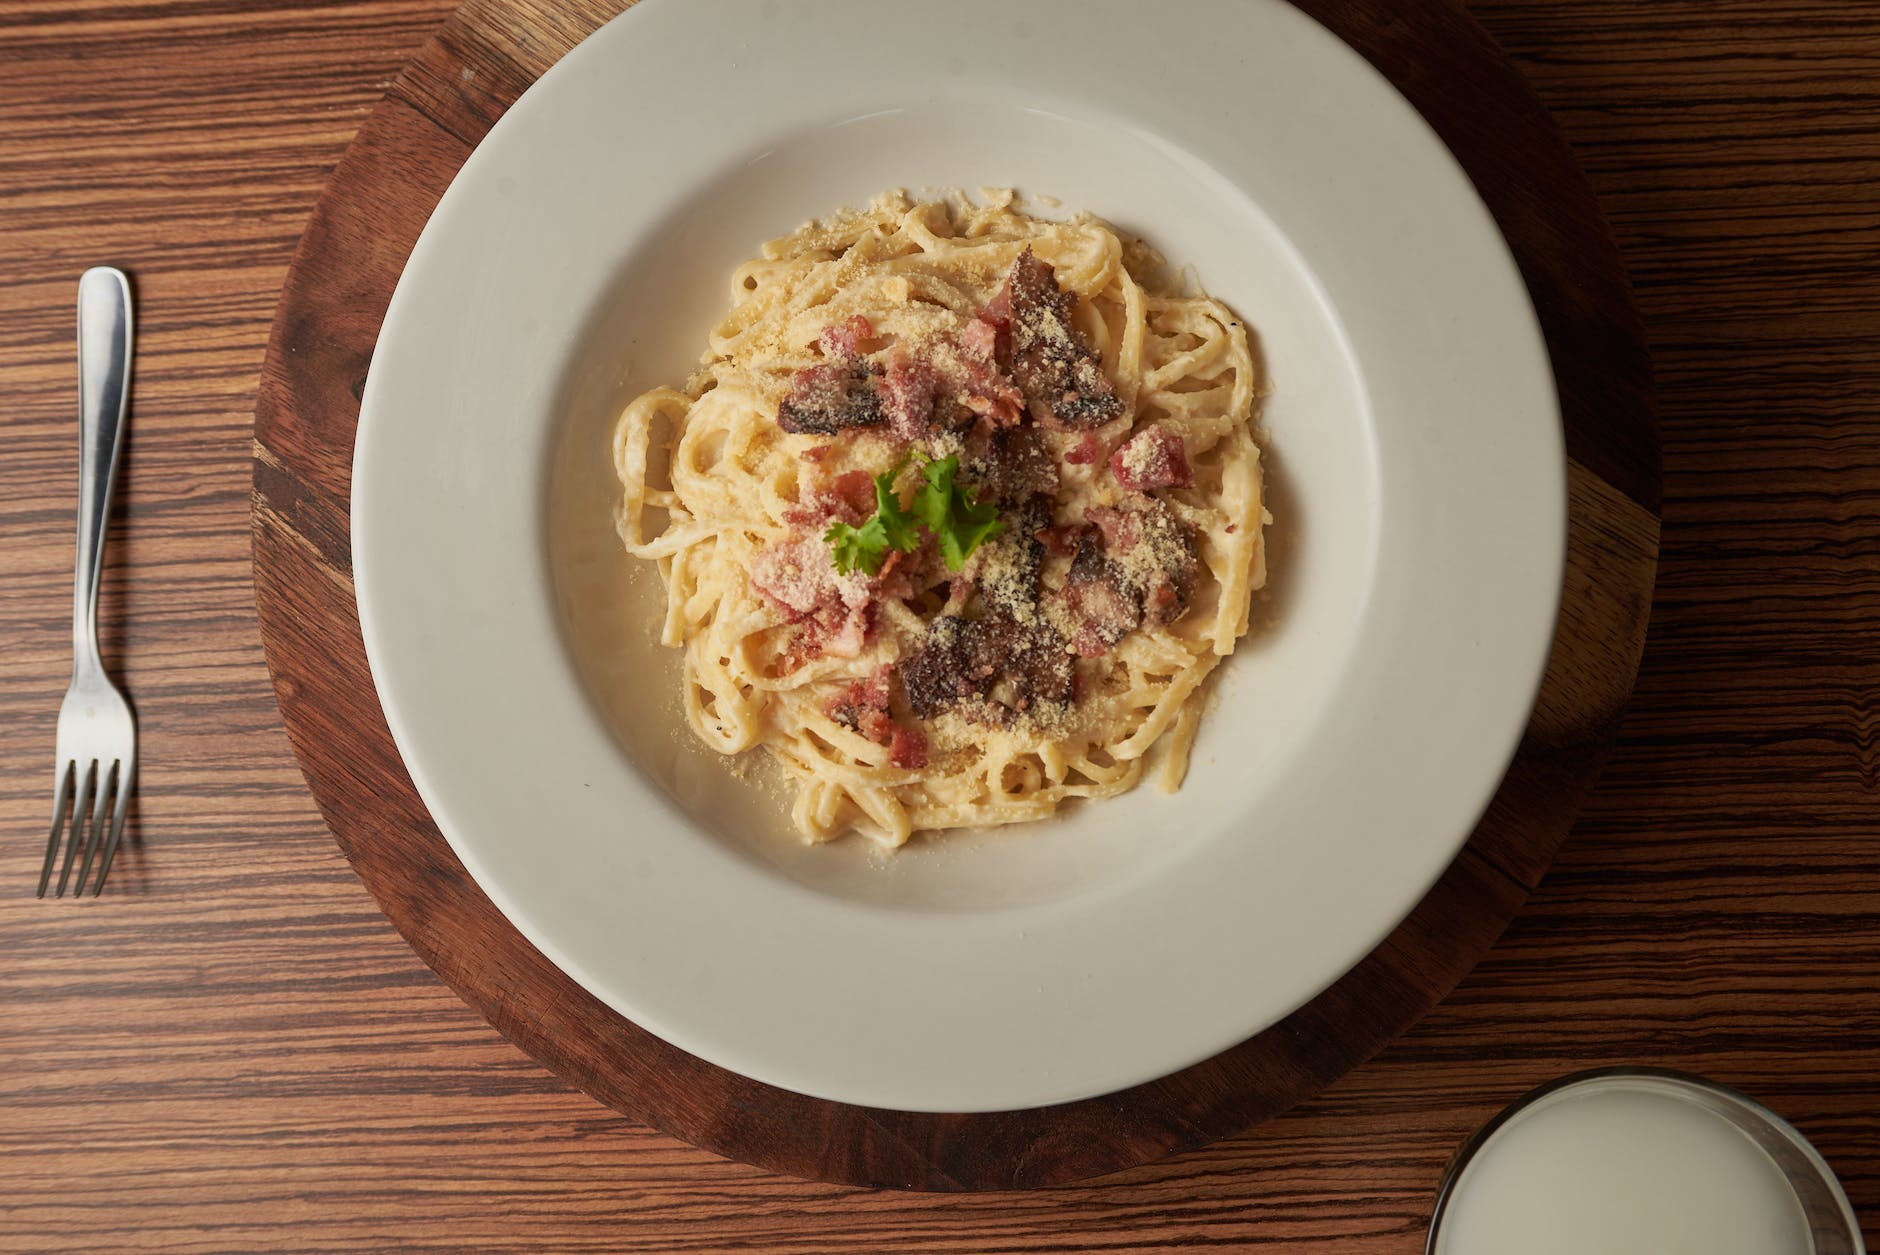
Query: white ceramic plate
{"points": [[580, 257]]}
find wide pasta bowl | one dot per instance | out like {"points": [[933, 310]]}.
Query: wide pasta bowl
{"points": [[1417, 483]]}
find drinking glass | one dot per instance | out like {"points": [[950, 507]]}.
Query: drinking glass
{"points": [[1640, 1160]]}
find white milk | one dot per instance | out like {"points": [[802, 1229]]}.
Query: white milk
{"points": [[1621, 1169]]}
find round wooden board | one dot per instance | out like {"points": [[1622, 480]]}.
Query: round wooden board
{"points": [[337, 290]]}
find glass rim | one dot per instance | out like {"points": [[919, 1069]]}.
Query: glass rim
{"points": [[1465, 1154]]}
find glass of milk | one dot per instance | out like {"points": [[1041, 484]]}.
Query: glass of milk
{"points": [[1636, 1161]]}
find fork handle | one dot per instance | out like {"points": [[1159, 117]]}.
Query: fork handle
{"points": [[104, 373]]}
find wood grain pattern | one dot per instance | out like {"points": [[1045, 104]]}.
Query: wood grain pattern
{"points": [[235, 1052], [324, 338]]}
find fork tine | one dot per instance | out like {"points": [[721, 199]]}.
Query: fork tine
{"points": [[80, 811], [107, 777], [61, 794], [124, 782]]}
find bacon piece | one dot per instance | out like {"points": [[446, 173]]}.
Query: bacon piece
{"points": [[1099, 600], [946, 386], [831, 397], [863, 706], [998, 310], [988, 335], [1007, 576], [850, 635], [1142, 570], [1153, 458], [949, 667], [850, 498], [1054, 365], [856, 594], [1121, 528], [849, 338], [859, 698], [983, 387], [1012, 466], [1164, 601], [989, 396], [800, 578], [1036, 661], [855, 490], [1174, 563], [1104, 614], [962, 660], [907, 394], [1085, 452], [797, 576], [1164, 572], [979, 338], [1061, 541], [907, 748], [919, 402], [805, 646], [955, 412]]}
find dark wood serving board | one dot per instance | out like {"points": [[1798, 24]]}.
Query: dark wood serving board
{"points": [[348, 262]]}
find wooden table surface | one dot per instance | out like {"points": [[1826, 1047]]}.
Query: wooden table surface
{"points": [[233, 1051]]}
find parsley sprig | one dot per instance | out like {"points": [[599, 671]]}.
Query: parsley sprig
{"points": [[959, 524]]}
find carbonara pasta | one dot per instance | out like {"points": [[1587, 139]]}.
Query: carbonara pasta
{"points": [[957, 515]]}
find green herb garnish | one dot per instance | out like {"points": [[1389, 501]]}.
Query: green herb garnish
{"points": [[853, 547], [889, 527], [959, 524]]}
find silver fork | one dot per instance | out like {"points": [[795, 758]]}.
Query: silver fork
{"points": [[97, 758]]}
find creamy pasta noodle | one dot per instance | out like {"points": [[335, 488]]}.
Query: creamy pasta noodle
{"points": [[958, 513]]}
